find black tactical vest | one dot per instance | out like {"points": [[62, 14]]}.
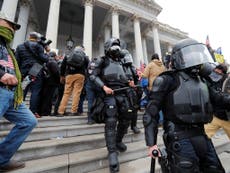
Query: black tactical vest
{"points": [[114, 75], [190, 102]]}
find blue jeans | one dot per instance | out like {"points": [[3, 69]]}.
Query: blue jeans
{"points": [[36, 87], [92, 91], [81, 101], [23, 119]]}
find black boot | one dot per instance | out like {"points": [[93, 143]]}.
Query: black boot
{"points": [[135, 130], [121, 147], [113, 162]]}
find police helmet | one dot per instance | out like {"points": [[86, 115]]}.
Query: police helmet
{"points": [[127, 58], [189, 53], [111, 45]]}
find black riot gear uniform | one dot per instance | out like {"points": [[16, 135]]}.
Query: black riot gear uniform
{"points": [[183, 96], [134, 94], [109, 74]]}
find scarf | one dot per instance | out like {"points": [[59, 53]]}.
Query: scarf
{"points": [[8, 35]]}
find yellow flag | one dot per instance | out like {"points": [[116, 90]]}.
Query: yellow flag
{"points": [[219, 58]]}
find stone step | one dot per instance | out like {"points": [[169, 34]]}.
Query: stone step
{"points": [[134, 166], [53, 121], [42, 133], [134, 160], [82, 162], [222, 146], [50, 121], [58, 146]]}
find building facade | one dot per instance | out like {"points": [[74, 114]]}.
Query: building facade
{"points": [[92, 22]]}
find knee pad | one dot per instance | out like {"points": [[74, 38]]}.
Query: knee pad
{"points": [[122, 129], [110, 124]]}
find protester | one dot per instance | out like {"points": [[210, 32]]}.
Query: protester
{"points": [[11, 101], [31, 57], [60, 88], [153, 69], [73, 70], [216, 77], [92, 90], [51, 83]]}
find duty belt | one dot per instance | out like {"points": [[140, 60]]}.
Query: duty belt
{"points": [[185, 131]]}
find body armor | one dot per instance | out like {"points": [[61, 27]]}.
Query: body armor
{"points": [[114, 75], [189, 103], [128, 72]]}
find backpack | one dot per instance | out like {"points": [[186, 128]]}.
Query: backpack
{"points": [[97, 110], [76, 58]]}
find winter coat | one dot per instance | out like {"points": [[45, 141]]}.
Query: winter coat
{"points": [[152, 70]]}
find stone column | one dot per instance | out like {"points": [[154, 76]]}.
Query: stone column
{"points": [[20, 35], [88, 27], [115, 23], [32, 26], [169, 47], [101, 47], [156, 41], [9, 7], [107, 32], [52, 23], [145, 54], [138, 42]]}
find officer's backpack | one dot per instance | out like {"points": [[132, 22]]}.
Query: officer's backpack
{"points": [[76, 58]]}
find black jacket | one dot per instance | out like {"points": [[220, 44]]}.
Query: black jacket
{"points": [[28, 53], [52, 71], [221, 100], [67, 69]]}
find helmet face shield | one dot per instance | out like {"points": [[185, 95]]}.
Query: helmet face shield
{"points": [[191, 55]]}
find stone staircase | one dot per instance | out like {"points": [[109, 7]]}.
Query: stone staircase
{"points": [[69, 145]]}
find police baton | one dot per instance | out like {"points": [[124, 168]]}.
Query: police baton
{"points": [[125, 88], [153, 161]]}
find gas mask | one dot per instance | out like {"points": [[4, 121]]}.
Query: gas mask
{"points": [[193, 71], [114, 51]]}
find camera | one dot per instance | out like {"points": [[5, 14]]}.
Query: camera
{"points": [[44, 42]]}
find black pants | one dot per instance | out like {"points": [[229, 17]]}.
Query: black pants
{"points": [[47, 99], [114, 133]]}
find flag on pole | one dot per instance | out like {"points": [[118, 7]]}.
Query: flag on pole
{"points": [[219, 57], [207, 41]]}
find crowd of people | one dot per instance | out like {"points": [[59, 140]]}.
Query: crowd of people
{"points": [[183, 93]]}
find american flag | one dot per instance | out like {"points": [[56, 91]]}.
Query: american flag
{"points": [[7, 63]]}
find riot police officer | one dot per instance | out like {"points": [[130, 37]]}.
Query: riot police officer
{"points": [[134, 94], [109, 75], [185, 102]]}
